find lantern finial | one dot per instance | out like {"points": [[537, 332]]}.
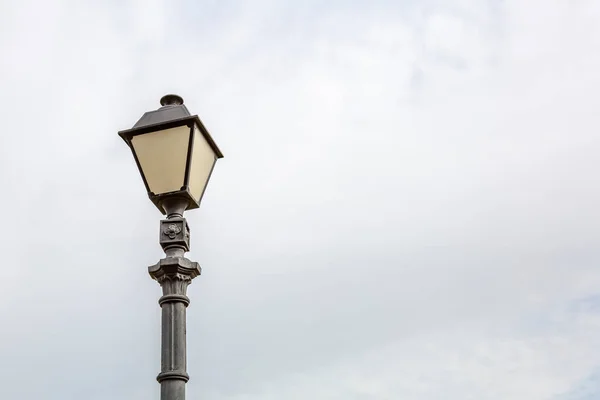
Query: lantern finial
{"points": [[171, 100]]}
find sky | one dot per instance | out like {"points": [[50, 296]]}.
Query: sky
{"points": [[407, 207]]}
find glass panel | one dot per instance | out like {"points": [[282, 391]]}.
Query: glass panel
{"points": [[203, 159], [162, 156]]}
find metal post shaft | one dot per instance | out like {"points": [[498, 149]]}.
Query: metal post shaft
{"points": [[174, 273]]}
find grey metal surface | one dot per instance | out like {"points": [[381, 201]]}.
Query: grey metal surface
{"points": [[172, 108], [174, 273]]}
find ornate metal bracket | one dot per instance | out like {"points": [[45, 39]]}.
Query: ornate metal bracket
{"points": [[174, 232]]}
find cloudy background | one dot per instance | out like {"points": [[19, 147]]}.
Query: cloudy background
{"points": [[407, 207]]}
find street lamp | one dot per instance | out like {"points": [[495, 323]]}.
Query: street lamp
{"points": [[175, 155]]}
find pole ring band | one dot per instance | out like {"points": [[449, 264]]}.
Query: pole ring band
{"points": [[178, 375], [174, 298]]}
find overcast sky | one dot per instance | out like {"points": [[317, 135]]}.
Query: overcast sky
{"points": [[407, 207]]}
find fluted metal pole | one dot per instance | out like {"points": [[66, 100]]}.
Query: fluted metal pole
{"points": [[174, 273]]}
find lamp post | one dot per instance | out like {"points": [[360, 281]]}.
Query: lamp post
{"points": [[175, 155]]}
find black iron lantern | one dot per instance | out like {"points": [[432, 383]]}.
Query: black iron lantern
{"points": [[174, 153]]}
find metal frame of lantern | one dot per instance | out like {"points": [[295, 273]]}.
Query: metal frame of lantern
{"points": [[184, 191]]}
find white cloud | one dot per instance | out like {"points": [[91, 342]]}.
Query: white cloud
{"points": [[458, 363], [403, 187]]}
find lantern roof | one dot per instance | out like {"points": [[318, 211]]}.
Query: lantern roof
{"points": [[172, 109]]}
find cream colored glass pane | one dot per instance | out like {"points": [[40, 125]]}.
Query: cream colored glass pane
{"points": [[203, 159], [162, 156]]}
